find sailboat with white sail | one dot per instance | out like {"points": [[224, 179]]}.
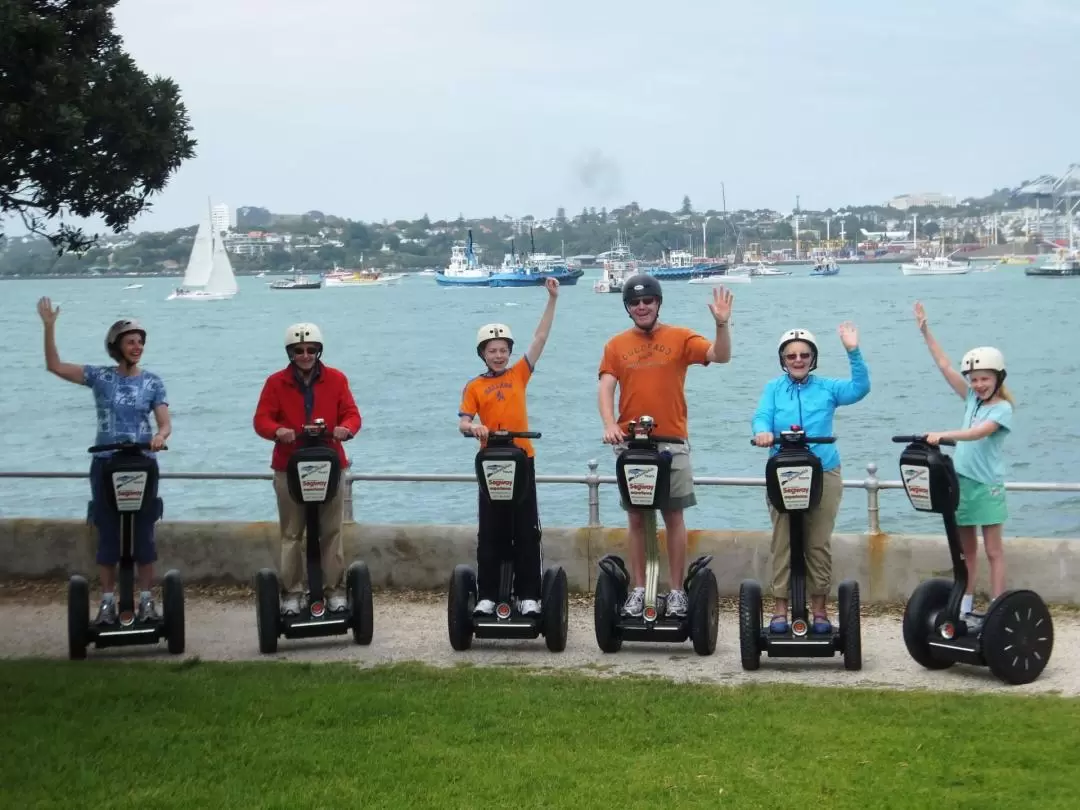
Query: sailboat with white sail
{"points": [[209, 274]]}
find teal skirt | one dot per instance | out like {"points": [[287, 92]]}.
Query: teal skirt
{"points": [[981, 504]]}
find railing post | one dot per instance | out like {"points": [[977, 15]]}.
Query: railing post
{"points": [[593, 480], [348, 498], [873, 510]]}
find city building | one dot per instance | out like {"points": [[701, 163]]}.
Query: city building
{"points": [[906, 201]]}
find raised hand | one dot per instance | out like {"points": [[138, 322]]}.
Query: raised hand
{"points": [[552, 285], [46, 311], [849, 335], [720, 307], [920, 316]]}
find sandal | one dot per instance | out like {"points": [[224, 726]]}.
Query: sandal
{"points": [[822, 623], [778, 624]]}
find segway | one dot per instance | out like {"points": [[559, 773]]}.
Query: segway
{"points": [[313, 475], [643, 473], [793, 481], [497, 467], [1014, 638], [130, 482]]}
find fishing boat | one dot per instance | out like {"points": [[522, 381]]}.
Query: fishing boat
{"points": [[619, 265], [297, 282], [464, 269], [681, 264]]}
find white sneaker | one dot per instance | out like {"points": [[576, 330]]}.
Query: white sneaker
{"points": [[529, 607], [635, 603], [485, 607], [291, 605], [338, 603], [676, 603]]}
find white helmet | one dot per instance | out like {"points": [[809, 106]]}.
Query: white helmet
{"points": [[984, 358], [491, 331], [806, 336], [302, 333]]}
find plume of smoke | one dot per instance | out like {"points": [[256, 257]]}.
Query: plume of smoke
{"points": [[598, 173]]}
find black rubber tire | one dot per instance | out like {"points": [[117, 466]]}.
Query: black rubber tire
{"points": [[461, 602], [750, 624], [268, 610], [361, 606], [928, 598], [78, 617], [172, 599], [850, 624], [556, 609], [1017, 637], [606, 605], [704, 612]]}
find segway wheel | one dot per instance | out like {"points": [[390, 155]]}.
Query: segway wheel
{"points": [[606, 603], [556, 607], [78, 617], [850, 624], [460, 606], [361, 607], [704, 611], [172, 592], [1018, 637], [926, 601], [750, 624], [268, 610]]}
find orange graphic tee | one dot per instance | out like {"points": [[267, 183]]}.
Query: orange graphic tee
{"points": [[499, 401], [651, 374]]}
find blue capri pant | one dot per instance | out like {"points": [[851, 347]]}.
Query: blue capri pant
{"points": [[107, 520]]}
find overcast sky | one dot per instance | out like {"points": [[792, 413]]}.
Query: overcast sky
{"points": [[396, 109]]}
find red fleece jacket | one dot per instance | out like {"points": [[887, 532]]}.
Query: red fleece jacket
{"points": [[281, 405]]}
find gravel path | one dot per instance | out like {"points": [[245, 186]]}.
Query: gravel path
{"points": [[415, 630]]}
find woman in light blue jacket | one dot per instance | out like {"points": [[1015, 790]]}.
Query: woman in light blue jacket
{"points": [[800, 397]]}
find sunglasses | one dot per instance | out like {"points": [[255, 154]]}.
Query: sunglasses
{"points": [[798, 356], [647, 301], [301, 350]]}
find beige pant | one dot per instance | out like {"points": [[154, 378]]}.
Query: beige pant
{"points": [[293, 548], [817, 538]]}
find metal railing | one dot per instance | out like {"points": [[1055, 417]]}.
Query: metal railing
{"points": [[871, 484]]}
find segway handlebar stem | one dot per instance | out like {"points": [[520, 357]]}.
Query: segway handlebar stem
{"points": [[921, 439]]}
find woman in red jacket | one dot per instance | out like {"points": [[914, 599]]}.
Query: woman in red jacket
{"points": [[301, 392]]}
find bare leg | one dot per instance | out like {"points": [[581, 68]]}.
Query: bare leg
{"points": [[636, 536], [676, 547], [995, 555], [146, 576], [107, 575], [969, 541]]}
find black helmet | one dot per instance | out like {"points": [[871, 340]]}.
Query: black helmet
{"points": [[641, 286]]}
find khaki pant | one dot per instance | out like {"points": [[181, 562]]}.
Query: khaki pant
{"points": [[294, 549], [817, 541]]}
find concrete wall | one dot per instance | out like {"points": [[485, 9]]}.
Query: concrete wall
{"points": [[422, 556]]}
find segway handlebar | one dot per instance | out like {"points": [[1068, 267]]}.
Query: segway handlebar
{"points": [[645, 425], [131, 446], [508, 434], [921, 438], [797, 437]]}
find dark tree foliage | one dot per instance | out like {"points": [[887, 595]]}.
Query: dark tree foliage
{"points": [[83, 132]]}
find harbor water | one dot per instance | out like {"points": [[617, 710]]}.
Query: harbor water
{"points": [[408, 350]]}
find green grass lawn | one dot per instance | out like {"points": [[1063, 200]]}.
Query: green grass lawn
{"points": [[200, 735]]}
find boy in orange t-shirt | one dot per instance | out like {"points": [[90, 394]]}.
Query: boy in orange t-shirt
{"points": [[498, 397], [648, 362]]}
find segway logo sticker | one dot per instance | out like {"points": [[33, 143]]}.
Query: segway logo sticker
{"points": [[641, 484], [795, 486], [314, 480], [129, 488], [499, 477], [917, 484]]}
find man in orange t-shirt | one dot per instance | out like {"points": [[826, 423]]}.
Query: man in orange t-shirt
{"points": [[498, 397], [648, 362]]}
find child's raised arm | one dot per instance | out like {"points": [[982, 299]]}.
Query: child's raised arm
{"points": [[952, 376]]}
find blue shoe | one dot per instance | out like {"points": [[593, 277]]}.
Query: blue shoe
{"points": [[778, 624], [822, 624]]}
